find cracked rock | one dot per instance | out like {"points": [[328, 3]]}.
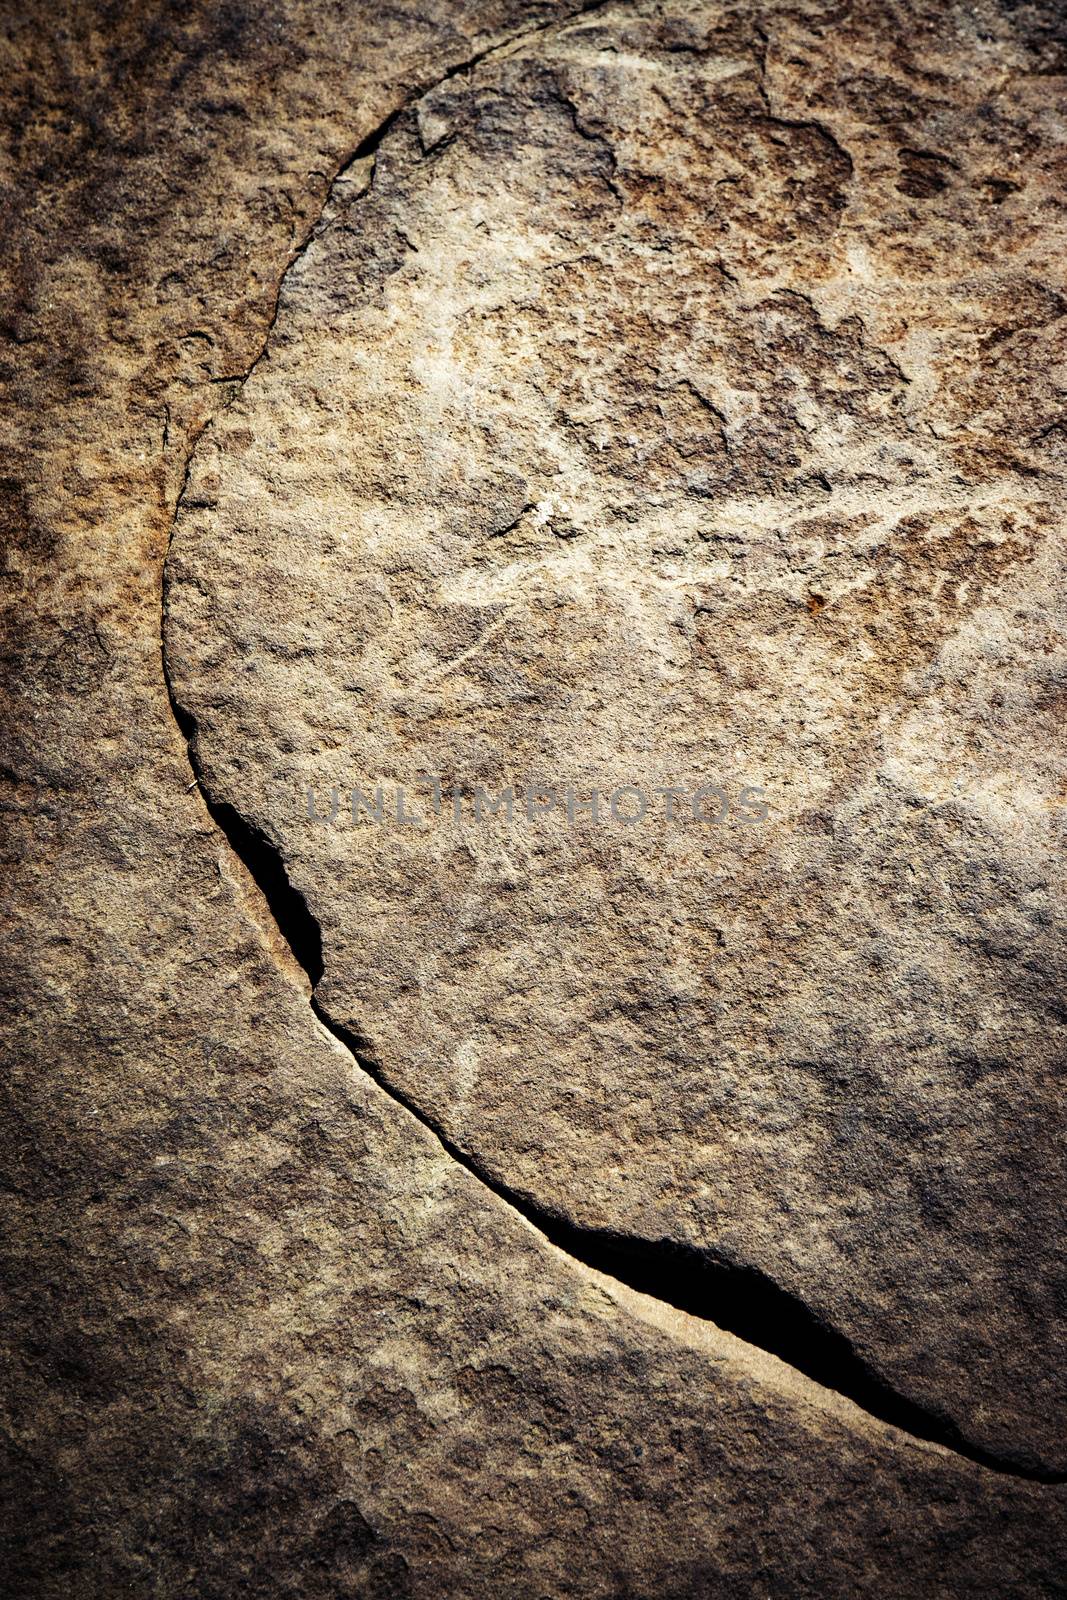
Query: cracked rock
{"points": [[641, 428], [663, 397]]}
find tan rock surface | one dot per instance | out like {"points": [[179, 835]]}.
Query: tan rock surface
{"points": [[655, 415], [263, 1335]]}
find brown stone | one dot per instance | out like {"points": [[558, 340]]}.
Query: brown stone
{"points": [[670, 395]]}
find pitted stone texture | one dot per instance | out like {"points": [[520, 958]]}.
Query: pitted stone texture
{"points": [[677, 403]]}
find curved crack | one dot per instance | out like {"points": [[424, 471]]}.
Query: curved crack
{"points": [[737, 1298]]}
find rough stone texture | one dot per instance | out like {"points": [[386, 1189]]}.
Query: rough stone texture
{"points": [[667, 411], [263, 1335]]}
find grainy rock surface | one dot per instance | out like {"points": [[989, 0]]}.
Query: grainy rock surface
{"points": [[690, 374]]}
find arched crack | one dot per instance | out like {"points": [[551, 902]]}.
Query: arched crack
{"points": [[736, 1297]]}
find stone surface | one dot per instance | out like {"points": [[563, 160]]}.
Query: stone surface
{"points": [[262, 1334], [664, 410]]}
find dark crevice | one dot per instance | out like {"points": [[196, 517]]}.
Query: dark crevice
{"points": [[737, 1298], [287, 906], [262, 858], [369, 145]]}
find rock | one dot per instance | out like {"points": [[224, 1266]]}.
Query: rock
{"points": [[265, 1333], [630, 433]]}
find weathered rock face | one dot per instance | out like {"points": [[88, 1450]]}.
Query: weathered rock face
{"points": [[577, 454], [675, 403]]}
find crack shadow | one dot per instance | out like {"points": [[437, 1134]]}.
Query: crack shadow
{"points": [[736, 1297]]}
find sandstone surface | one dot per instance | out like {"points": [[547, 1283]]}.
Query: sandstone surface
{"points": [[669, 392]]}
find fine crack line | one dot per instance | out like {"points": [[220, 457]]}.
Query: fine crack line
{"points": [[703, 1283], [369, 145]]}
